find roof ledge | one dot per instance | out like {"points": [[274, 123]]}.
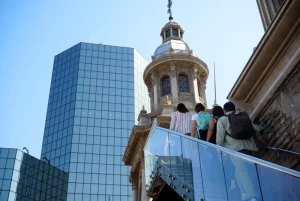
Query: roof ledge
{"points": [[275, 44]]}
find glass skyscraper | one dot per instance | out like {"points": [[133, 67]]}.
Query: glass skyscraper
{"points": [[95, 96], [25, 178]]}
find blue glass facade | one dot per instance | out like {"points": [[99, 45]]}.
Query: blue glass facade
{"points": [[95, 97], [25, 178]]}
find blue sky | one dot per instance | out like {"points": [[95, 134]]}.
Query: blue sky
{"points": [[32, 32]]}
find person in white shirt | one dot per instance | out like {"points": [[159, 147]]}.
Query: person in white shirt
{"points": [[200, 122], [181, 120], [195, 120]]}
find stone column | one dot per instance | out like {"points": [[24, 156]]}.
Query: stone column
{"points": [[202, 90], [194, 83], [134, 183], [150, 91], [143, 193], [155, 89], [174, 84]]}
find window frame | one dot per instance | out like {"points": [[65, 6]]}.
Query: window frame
{"points": [[165, 77], [187, 81]]}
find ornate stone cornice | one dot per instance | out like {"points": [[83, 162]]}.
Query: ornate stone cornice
{"points": [[155, 112], [137, 133], [199, 64]]}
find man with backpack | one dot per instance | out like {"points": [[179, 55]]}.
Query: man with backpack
{"points": [[235, 130]]}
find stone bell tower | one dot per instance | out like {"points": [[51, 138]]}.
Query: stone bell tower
{"points": [[176, 74]]}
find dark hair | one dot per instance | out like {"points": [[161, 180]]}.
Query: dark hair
{"points": [[181, 108], [229, 106], [199, 107], [218, 111]]}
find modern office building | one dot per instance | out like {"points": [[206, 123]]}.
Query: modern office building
{"points": [[95, 96], [25, 178]]}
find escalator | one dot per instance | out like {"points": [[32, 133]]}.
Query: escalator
{"points": [[178, 167]]}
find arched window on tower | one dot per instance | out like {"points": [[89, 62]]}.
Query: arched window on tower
{"points": [[183, 83], [165, 86]]}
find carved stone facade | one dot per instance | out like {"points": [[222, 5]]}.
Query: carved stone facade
{"points": [[281, 121], [268, 87]]}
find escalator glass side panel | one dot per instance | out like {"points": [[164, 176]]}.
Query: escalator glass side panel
{"points": [[212, 173], [241, 178], [192, 163], [278, 186], [201, 171]]}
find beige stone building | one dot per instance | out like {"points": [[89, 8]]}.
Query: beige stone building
{"points": [[269, 85], [175, 75], [267, 88]]}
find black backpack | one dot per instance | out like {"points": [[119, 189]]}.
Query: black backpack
{"points": [[240, 125]]}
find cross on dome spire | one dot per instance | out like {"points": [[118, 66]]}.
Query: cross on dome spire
{"points": [[170, 10]]}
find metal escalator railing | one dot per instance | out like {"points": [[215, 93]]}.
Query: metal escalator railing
{"points": [[216, 173], [283, 150]]}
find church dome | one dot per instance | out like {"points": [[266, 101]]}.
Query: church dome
{"points": [[172, 45], [172, 41]]}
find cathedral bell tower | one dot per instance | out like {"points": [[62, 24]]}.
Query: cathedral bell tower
{"points": [[176, 74]]}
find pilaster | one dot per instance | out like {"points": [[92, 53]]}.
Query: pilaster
{"points": [[174, 84], [202, 90], [150, 93], [194, 84], [143, 193], [155, 89], [134, 183]]}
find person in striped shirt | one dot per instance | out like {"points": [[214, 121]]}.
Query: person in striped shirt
{"points": [[181, 120]]}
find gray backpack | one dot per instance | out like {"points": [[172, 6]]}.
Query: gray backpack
{"points": [[240, 125]]}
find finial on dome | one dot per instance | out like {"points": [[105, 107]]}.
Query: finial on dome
{"points": [[170, 10]]}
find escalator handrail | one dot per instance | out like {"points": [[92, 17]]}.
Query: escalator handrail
{"points": [[231, 152], [282, 150]]}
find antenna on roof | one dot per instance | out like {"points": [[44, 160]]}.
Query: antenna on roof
{"points": [[170, 10], [215, 86]]}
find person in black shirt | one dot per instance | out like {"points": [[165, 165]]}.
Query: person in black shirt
{"points": [[212, 129]]}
